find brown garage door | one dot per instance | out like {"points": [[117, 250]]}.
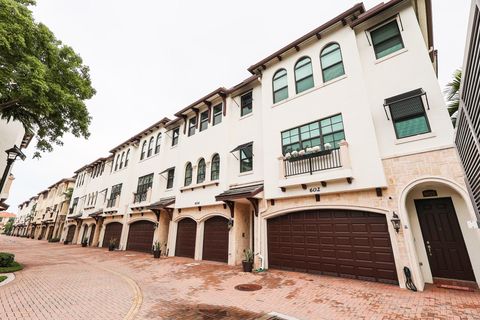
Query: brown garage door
{"points": [[140, 236], [71, 233], [112, 231], [215, 239], [343, 243], [186, 234]]}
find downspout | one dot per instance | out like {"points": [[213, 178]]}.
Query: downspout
{"points": [[264, 209]]}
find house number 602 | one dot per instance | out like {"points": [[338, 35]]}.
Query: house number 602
{"points": [[315, 189]]}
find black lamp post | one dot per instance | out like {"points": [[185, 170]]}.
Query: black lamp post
{"points": [[12, 155]]}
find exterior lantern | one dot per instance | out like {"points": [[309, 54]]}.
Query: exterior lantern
{"points": [[12, 155], [395, 222]]}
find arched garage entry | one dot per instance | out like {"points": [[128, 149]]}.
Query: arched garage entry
{"points": [[140, 236], [71, 233], [347, 243], [215, 239], [186, 235], [113, 230]]}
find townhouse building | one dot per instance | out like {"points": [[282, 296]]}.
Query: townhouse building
{"points": [[336, 156]]}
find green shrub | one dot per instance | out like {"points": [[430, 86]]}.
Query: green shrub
{"points": [[3, 278], [54, 240], [15, 266], [6, 259]]}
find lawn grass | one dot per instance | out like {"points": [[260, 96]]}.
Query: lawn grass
{"points": [[15, 266], [3, 278]]}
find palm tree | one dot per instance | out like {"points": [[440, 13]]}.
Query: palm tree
{"points": [[452, 92]]}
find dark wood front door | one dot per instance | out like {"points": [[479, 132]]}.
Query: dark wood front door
{"points": [[443, 239], [352, 244], [49, 233], [215, 239], [71, 233], [112, 231], [186, 236], [140, 236], [92, 234]]}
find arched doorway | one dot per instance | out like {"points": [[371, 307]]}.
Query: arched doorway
{"points": [[113, 231], [346, 243], [70, 233], [140, 236], [186, 238], [215, 239], [442, 247]]}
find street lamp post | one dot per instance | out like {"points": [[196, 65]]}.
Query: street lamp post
{"points": [[12, 155]]}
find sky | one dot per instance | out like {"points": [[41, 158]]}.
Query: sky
{"points": [[149, 59]]}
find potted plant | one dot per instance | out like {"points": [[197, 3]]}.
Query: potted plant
{"points": [[65, 241], [112, 244], [247, 263], [84, 242], [157, 250]]}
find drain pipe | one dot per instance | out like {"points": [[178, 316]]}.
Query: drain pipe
{"points": [[264, 209]]}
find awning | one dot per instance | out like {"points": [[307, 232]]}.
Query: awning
{"points": [[162, 203], [166, 170], [403, 104], [78, 215], [239, 193], [3, 206], [248, 144], [96, 213]]}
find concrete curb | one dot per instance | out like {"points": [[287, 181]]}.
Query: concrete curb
{"points": [[10, 278]]}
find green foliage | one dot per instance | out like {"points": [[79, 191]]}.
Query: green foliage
{"points": [[15, 266], [6, 259], [452, 92], [43, 82], [54, 240], [7, 229], [248, 253], [3, 278], [68, 193]]}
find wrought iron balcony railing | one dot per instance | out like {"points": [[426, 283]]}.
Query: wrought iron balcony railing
{"points": [[312, 162]]}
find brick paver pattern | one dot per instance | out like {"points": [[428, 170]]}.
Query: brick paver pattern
{"points": [[70, 282]]}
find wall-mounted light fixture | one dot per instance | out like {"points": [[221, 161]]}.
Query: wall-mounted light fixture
{"points": [[395, 222]]}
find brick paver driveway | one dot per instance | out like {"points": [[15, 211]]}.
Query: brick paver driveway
{"points": [[70, 282]]}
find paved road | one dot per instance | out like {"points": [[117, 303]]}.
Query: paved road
{"points": [[71, 282]]}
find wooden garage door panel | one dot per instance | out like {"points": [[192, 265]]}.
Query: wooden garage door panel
{"points": [[140, 236], [186, 236], [71, 233], [112, 231], [339, 242], [215, 239]]}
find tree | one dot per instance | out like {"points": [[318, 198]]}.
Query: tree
{"points": [[8, 226], [43, 83], [452, 92]]}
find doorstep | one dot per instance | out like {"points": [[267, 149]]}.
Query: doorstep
{"points": [[455, 284]]}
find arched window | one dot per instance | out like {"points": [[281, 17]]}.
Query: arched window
{"points": [[215, 172], [144, 146], [201, 171], [150, 147], [116, 162], [303, 74], [188, 174], [126, 157], [331, 62], [280, 86], [157, 143], [121, 160]]}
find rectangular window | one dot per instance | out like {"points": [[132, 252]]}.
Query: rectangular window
{"points": [[170, 176], [144, 183], [217, 114], [324, 133], [246, 103], [246, 158], [386, 39], [203, 120], [191, 126], [116, 191], [175, 134], [409, 117]]}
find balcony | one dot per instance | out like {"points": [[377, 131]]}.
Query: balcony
{"points": [[111, 203], [142, 196], [320, 166], [312, 162]]}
